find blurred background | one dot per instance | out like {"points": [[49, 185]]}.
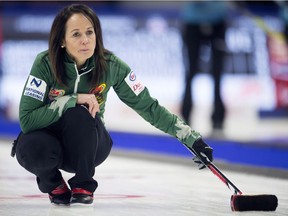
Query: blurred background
{"points": [[148, 36]]}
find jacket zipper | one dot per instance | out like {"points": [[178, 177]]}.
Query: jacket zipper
{"points": [[78, 77]]}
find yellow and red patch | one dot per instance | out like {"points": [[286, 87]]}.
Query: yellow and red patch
{"points": [[97, 91]]}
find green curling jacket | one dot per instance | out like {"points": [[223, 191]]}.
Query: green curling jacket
{"points": [[44, 101]]}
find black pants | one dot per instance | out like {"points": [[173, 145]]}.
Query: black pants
{"points": [[193, 37], [77, 143]]}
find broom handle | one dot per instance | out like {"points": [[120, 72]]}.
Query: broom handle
{"points": [[217, 172], [222, 177]]}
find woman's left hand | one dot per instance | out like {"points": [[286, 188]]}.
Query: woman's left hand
{"points": [[90, 101]]}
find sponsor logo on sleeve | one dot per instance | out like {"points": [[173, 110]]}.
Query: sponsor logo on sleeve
{"points": [[35, 88], [136, 86]]}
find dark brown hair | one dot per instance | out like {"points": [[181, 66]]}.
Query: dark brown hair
{"points": [[57, 34]]}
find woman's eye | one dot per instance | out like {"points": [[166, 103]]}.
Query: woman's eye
{"points": [[90, 32], [76, 34]]}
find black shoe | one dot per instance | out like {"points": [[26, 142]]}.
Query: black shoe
{"points": [[61, 195], [81, 197]]}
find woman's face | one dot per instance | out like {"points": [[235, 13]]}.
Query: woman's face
{"points": [[80, 38]]}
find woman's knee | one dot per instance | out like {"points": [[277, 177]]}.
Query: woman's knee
{"points": [[78, 126], [77, 115]]}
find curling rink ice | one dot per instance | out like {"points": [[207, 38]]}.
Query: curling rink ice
{"points": [[131, 186]]}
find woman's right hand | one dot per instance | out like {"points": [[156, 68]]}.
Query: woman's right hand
{"points": [[90, 101]]}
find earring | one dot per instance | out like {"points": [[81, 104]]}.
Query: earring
{"points": [[62, 46]]}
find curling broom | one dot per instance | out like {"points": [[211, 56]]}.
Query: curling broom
{"points": [[240, 202]]}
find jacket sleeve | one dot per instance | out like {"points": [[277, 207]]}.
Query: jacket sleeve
{"points": [[133, 93], [35, 110]]}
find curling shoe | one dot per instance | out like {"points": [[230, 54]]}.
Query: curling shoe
{"points": [[61, 195], [81, 197]]}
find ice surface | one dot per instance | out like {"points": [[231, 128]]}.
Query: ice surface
{"points": [[129, 186]]}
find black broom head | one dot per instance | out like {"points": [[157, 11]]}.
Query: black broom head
{"points": [[264, 202]]}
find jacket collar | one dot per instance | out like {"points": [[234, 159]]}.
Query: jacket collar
{"points": [[69, 63]]}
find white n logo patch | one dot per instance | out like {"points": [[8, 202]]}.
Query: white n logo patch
{"points": [[35, 88]]}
